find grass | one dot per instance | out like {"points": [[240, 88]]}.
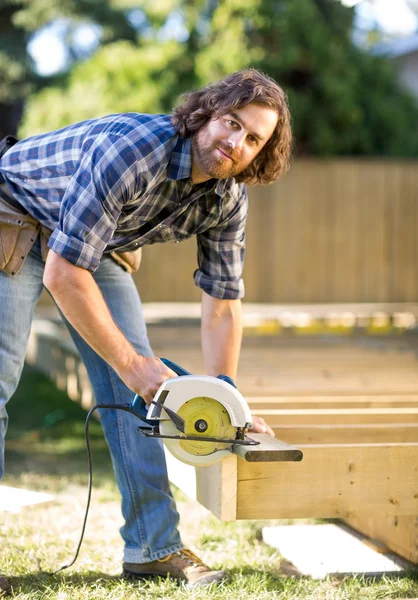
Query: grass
{"points": [[45, 452]]}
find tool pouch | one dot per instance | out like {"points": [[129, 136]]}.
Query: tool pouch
{"points": [[18, 232], [129, 261]]}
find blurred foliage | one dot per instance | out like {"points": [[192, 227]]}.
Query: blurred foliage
{"points": [[20, 20], [119, 78], [344, 101]]}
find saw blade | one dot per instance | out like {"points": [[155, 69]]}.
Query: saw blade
{"points": [[203, 417]]}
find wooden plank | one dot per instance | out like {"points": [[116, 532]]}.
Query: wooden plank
{"points": [[275, 417], [402, 238], [216, 488], [348, 433], [292, 402], [296, 386], [374, 375], [338, 481], [269, 450], [270, 391], [398, 533], [376, 243]]}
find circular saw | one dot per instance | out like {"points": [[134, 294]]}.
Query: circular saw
{"points": [[200, 418]]}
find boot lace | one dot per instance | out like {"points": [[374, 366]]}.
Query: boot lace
{"points": [[187, 555]]}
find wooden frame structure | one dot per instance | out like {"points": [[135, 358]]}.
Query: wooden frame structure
{"points": [[341, 481], [349, 404]]}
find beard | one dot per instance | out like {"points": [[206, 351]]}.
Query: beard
{"points": [[211, 161]]}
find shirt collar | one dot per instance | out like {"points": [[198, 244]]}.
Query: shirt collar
{"points": [[180, 167]]}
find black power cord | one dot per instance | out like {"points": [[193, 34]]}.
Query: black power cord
{"points": [[126, 408]]}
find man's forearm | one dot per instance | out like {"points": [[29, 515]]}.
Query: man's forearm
{"points": [[82, 303], [221, 335]]}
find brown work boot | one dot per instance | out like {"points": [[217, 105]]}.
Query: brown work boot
{"points": [[182, 565], [5, 586]]}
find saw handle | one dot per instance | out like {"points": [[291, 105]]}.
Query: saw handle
{"points": [[138, 406], [180, 371], [227, 379], [174, 367]]}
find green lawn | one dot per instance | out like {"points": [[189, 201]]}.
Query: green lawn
{"points": [[45, 451]]}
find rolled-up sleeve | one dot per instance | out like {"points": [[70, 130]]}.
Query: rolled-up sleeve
{"points": [[103, 181], [221, 252]]}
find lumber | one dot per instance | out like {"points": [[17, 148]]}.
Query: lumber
{"points": [[347, 433], [297, 385], [338, 481], [269, 450], [216, 488], [275, 416], [398, 533], [341, 401]]}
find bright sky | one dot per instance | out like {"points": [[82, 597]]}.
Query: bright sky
{"points": [[394, 16], [48, 51]]}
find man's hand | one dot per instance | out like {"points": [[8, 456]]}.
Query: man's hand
{"points": [[260, 426], [145, 376]]}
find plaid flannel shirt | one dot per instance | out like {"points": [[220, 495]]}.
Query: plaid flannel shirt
{"points": [[124, 181]]}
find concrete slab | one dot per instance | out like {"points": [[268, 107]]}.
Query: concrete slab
{"points": [[14, 499], [329, 549]]}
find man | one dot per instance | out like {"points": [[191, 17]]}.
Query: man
{"points": [[115, 184]]}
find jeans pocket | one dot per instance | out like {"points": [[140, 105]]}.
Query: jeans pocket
{"points": [[9, 235]]}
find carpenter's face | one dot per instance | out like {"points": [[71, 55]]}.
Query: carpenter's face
{"points": [[227, 145]]}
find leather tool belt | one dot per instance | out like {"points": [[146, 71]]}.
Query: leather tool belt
{"points": [[19, 231], [130, 261]]}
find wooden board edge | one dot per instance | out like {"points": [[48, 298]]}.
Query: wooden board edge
{"points": [[269, 449]]}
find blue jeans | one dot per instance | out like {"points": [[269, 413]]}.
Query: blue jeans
{"points": [[150, 528]]}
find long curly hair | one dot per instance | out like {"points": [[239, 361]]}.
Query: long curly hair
{"points": [[234, 92]]}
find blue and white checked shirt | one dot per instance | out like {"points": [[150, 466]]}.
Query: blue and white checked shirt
{"points": [[124, 181]]}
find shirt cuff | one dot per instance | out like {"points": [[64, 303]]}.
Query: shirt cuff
{"points": [[224, 290], [75, 251]]}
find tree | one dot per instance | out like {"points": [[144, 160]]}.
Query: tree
{"points": [[15, 69], [343, 100], [120, 77], [19, 20]]}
